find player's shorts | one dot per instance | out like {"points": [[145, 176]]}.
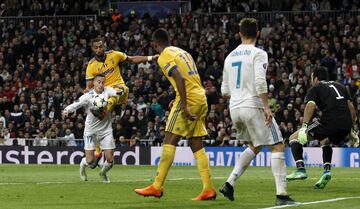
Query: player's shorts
{"points": [[251, 127], [319, 131], [106, 142], [179, 125]]}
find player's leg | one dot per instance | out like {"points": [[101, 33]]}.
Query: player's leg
{"points": [[108, 164], [327, 156], [202, 161], [85, 161], [297, 152], [168, 152], [97, 157], [166, 160], [314, 131], [241, 165], [89, 146], [247, 122], [115, 100], [278, 166], [111, 102], [108, 145], [335, 138]]}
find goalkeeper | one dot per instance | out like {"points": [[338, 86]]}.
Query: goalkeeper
{"points": [[337, 118]]}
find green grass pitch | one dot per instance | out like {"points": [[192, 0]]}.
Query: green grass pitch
{"points": [[59, 186]]}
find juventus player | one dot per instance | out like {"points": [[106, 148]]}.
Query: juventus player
{"points": [[337, 118]]}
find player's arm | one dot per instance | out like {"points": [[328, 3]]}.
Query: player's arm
{"points": [[81, 102], [180, 85], [140, 59], [352, 111], [310, 107], [309, 111], [350, 104], [121, 57], [260, 65], [225, 90]]}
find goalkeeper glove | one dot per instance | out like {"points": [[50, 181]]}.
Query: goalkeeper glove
{"points": [[354, 138], [302, 136]]}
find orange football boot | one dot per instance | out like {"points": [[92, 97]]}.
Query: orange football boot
{"points": [[208, 194], [150, 191]]}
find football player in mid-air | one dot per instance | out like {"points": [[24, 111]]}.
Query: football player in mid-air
{"points": [[337, 118], [107, 63], [96, 131]]}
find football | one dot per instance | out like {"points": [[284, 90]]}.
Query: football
{"points": [[99, 101]]}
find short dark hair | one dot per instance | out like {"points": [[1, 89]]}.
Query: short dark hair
{"points": [[99, 75], [249, 27], [320, 73], [95, 40], [161, 35]]}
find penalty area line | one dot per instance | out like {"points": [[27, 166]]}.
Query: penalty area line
{"points": [[313, 202]]}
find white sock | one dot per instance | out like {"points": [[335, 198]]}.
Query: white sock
{"points": [[83, 162], [107, 166], [244, 161], [278, 168]]}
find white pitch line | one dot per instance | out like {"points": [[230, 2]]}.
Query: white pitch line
{"points": [[135, 180], [112, 181], [314, 202]]}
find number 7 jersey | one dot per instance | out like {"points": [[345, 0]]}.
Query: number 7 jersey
{"points": [[244, 76], [173, 58]]}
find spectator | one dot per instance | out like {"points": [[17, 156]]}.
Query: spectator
{"points": [[69, 138], [40, 140], [123, 142]]}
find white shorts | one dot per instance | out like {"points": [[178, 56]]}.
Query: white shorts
{"points": [[251, 127], [106, 142]]}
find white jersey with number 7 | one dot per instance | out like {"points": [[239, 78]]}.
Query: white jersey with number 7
{"points": [[244, 76]]}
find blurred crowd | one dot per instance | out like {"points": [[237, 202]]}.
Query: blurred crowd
{"points": [[42, 70], [49, 7], [274, 5]]}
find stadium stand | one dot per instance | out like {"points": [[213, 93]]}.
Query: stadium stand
{"points": [[43, 60]]}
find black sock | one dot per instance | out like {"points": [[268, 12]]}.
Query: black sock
{"points": [[297, 151], [327, 155]]}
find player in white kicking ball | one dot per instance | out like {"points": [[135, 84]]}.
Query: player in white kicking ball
{"points": [[96, 130]]}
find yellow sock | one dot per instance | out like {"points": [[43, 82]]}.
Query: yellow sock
{"points": [[202, 163], [112, 101], [97, 150], [167, 158]]}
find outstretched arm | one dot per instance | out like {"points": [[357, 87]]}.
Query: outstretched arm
{"points": [[140, 59], [82, 102]]}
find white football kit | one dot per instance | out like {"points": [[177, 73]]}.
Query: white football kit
{"points": [[244, 79], [95, 131]]}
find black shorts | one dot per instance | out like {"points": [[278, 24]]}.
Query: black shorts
{"points": [[319, 131]]}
